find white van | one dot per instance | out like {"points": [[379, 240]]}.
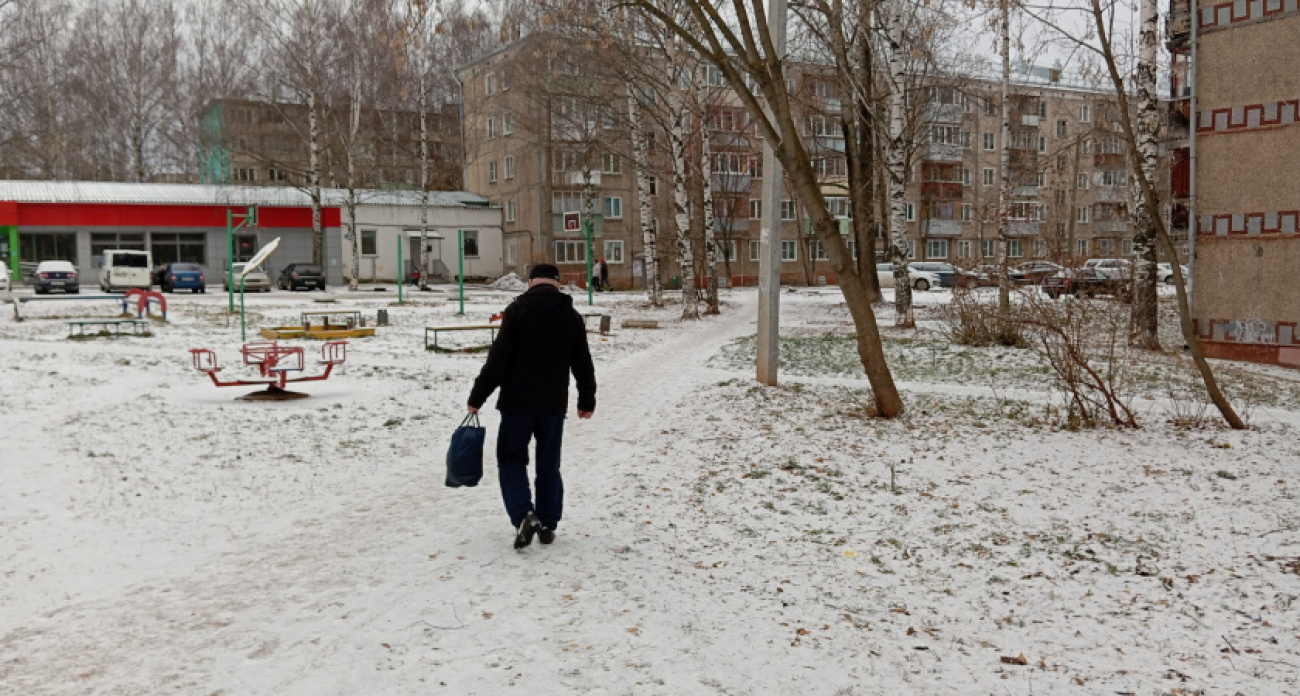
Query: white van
{"points": [[125, 268]]}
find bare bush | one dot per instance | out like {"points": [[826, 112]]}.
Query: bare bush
{"points": [[1086, 344], [969, 322]]}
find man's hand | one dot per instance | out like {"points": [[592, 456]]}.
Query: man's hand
{"points": [[472, 409], [585, 414]]}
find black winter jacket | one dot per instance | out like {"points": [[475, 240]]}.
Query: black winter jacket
{"points": [[542, 339]]}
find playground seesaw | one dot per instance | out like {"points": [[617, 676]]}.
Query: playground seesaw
{"points": [[275, 363]]}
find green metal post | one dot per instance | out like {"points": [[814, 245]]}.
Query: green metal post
{"points": [[460, 253], [401, 280], [590, 251], [230, 260]]}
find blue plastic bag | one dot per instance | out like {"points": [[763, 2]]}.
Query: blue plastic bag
{"points": [[465, 455]]}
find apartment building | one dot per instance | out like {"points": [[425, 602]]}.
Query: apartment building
{"points": [[546, 133], [1239, 191], [258, 143]]}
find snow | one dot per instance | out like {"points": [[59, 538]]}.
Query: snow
{"points": [[720, 537]]}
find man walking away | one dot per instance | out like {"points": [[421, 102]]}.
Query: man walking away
{"points": [[604, 276], [542, 339]]}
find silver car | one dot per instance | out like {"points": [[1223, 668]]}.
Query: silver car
{"points": [[255, 281]]}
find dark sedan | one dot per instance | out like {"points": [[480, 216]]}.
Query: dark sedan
{"points": [[301, 275], [1033, 272], [1084, 282]]}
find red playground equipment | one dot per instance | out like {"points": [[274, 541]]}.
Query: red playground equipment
{"points": [[145, 297], [274, 363]]}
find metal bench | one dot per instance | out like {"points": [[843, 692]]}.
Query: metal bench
{"points": [[456, 327], [77, 327]]}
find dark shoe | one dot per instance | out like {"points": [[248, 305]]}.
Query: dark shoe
{"points": [[545, 534], [527, 528]]}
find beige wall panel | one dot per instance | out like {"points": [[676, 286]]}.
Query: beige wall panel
{"points": [[1248, 64], [1249, 172], [1247, 278]]}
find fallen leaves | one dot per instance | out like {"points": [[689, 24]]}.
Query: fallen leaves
{"points": [[1017, 660]]}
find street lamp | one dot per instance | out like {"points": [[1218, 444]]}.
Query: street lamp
{"points": [[248, 218], [258, 259]]}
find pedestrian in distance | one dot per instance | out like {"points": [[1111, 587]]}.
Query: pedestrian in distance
{"points": [[596, 270], [604, 276], [541, 341]]}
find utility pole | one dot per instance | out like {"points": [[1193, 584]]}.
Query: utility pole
{"points": [[769, 244]]}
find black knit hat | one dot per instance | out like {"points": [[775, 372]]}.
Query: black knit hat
{"points": [[544, 270]]}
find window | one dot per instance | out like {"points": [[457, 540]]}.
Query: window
{"points": [[191, 248], [1083, 182], [1040, 180], [491, 128], [1023, 210], [755, 209], [571, 252], [469, 240], [102, 241], [1042, 109], [1105, 247], [967, 212], [611, 164], [275, 174], [503, 81], [990, 144], [490, 84], [614, 251], [910, 212], [1040, 248], [1112, 178], [1081, 214], [1127, 246], [989, 175], [614, 207], [1082, 244], [510, 166], [1060, 198], [837, 206], [965, 177], [654, 186], [369, 243], [789, 250], [991, 108], [510, 210], [512, 253], [911, 250], [727, 250], [816, 251], [788, 210], [568, 202], [507, 123], [492, 172], [1084, 115], [945, 135], [608, 118], [244, 174], [1042, 144], [963, 249], [853, 248], [988, 248], [1062, 129], [965, 138], [1013, 249], [754, 247]]}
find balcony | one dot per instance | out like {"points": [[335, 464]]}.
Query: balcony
{"points": [[941, 152], [1110, 194], [730, 183], [941, 189], [1029, 120], [1108, 160], [597, 227], [1109, 227], [944, 113], [574, 178], [731, 225], [1022, 228], [935, 227]]}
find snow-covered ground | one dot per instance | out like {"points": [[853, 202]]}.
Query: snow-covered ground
{"points": [[720, 537]]}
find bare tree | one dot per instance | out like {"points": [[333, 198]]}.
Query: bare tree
{"points": [[739, 45], [1145, 321]]}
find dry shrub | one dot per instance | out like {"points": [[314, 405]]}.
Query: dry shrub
{"points": [[1086, 344], [970, 322]]}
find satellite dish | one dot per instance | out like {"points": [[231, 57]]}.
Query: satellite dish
{"points": [[260, 257]]}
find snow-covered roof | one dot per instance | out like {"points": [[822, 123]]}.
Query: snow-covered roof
{"points": [[206, 194]]}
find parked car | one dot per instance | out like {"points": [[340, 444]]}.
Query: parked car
{"points": [[986, 275], [124, 269], [949, 275], [1119, 269], [56, 275], [1084, 282], [4, 277], [301, 275], [920, 280], [180, 275], [1033, 272], [1165, 272], [256, 280]]}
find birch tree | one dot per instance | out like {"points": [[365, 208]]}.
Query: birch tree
{"points": [[1004, 153], [739, 45], [897, 169], [681, 216], [1145, 321], [641, 164]]}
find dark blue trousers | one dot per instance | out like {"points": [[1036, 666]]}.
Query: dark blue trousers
{"points": [[517, 429]]}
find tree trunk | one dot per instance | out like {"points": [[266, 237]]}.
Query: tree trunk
{"points": [[685, 254], [710, 247], [1004, 159], [641, 160], [1145, 320], [897, 146], [313, 178]]}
